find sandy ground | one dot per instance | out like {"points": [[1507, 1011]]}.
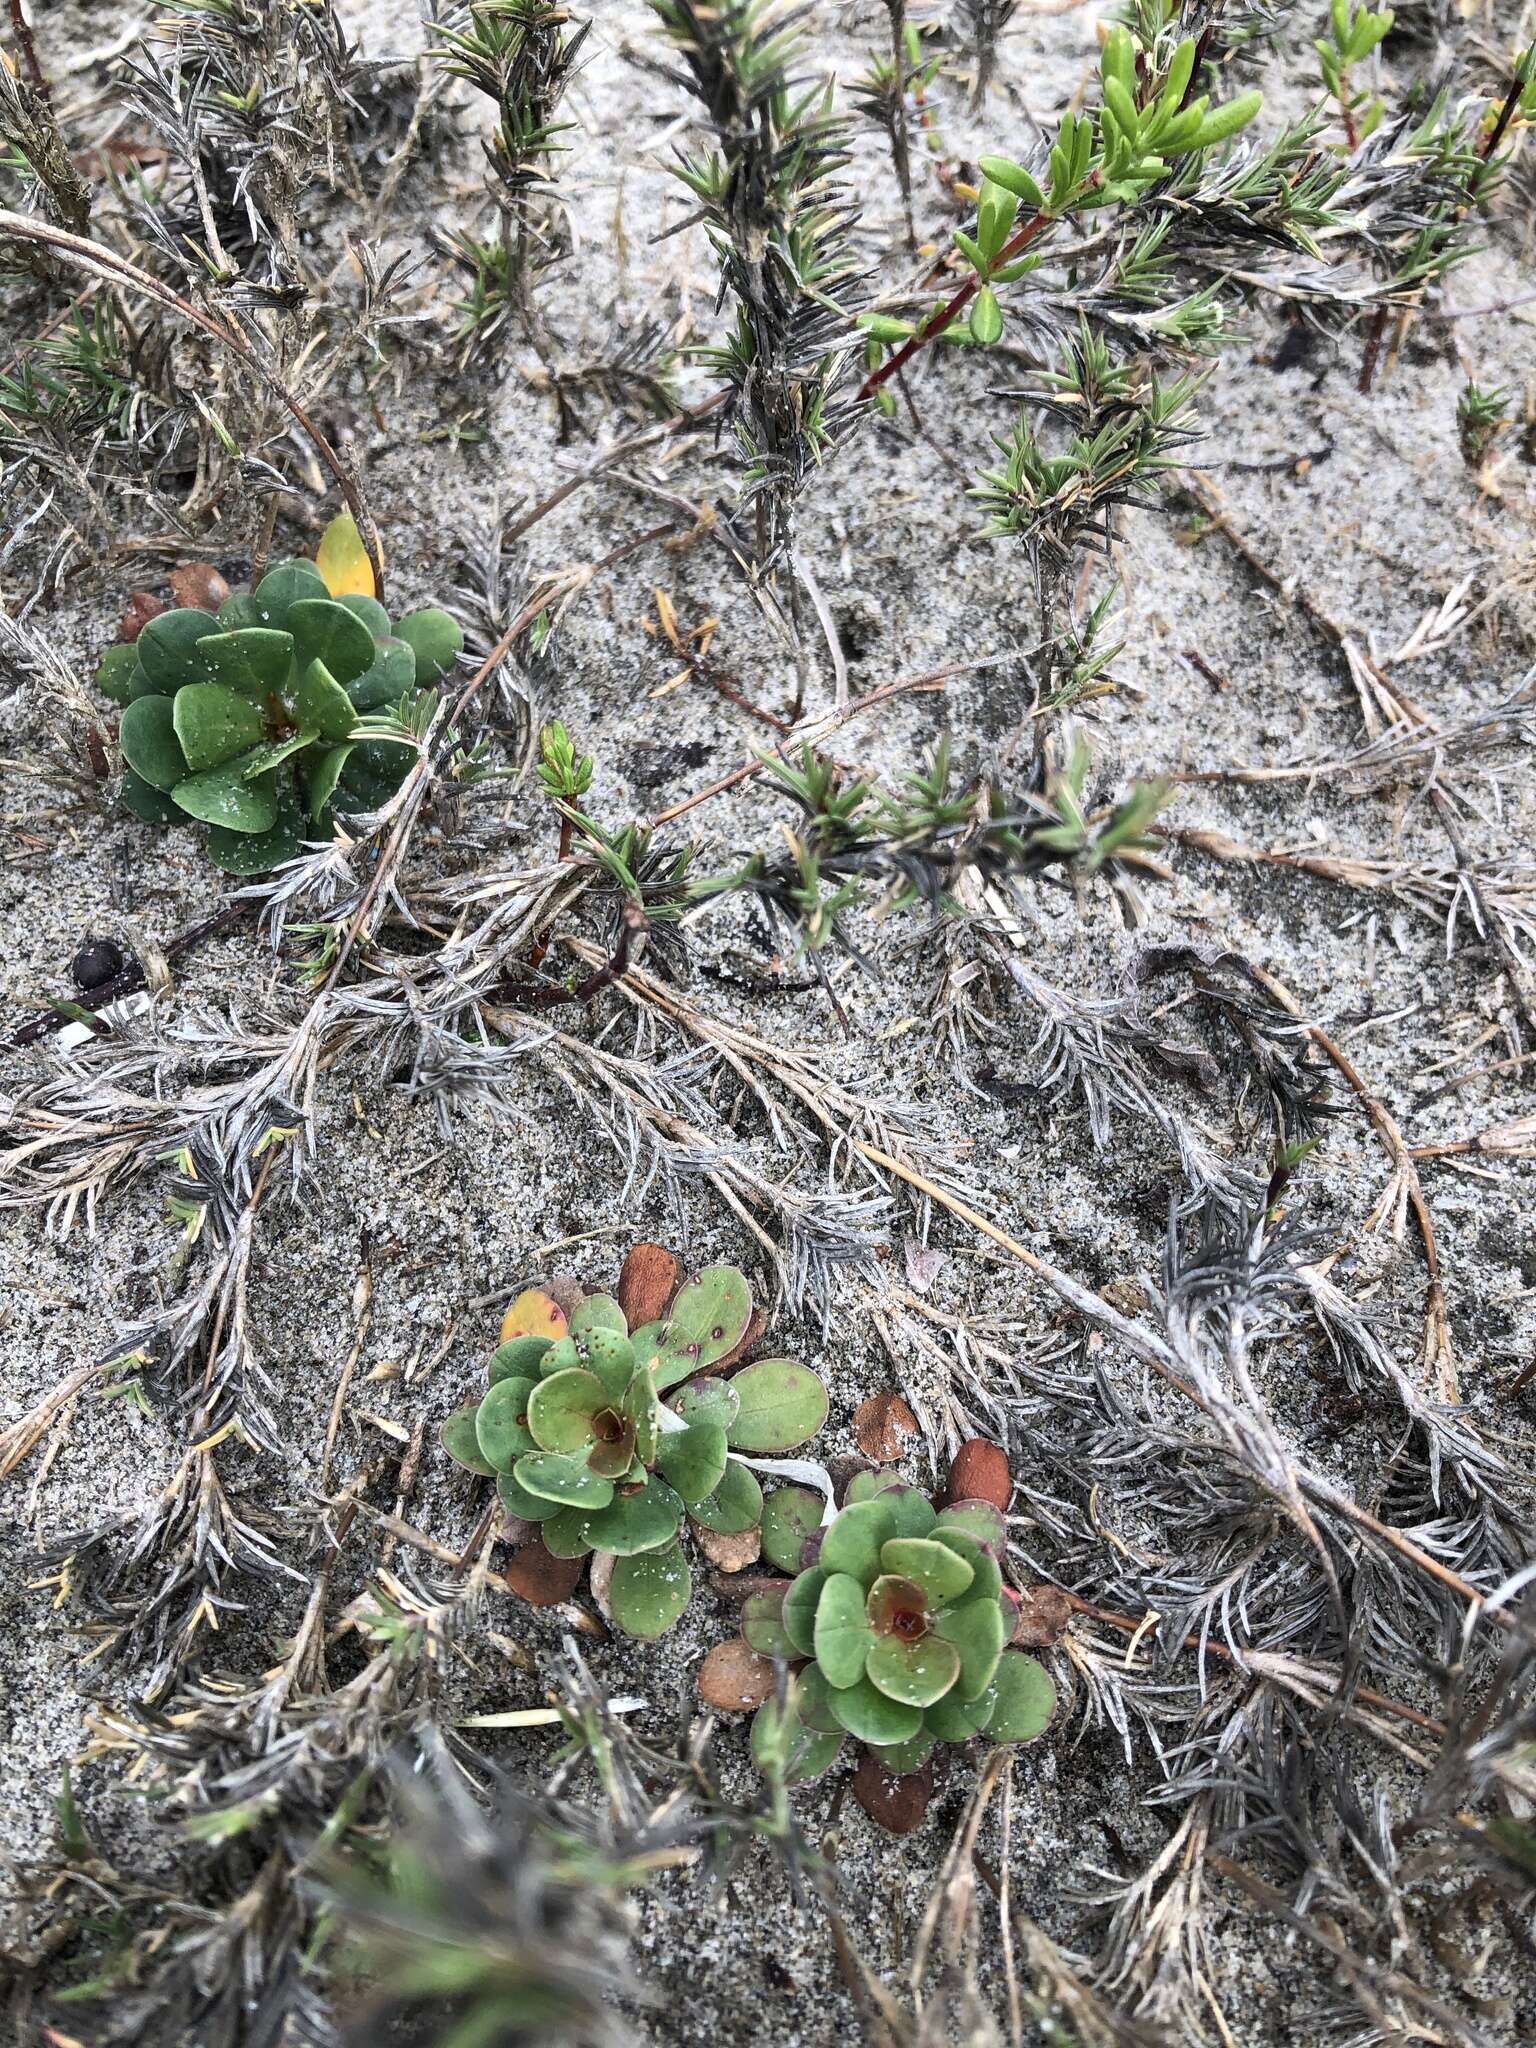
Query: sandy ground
{"points": [[1377, 528]]}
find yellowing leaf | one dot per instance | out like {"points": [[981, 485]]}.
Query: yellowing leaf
{"points": [[343, 561]]}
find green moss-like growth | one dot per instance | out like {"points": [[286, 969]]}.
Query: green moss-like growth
{"points": [[255, 720]]}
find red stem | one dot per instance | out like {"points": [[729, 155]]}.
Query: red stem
{"points": [[937, 322], [1506, 114]]}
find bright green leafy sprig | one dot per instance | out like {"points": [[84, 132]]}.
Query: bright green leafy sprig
{"points": [[1115, 155], [1356, 32]]}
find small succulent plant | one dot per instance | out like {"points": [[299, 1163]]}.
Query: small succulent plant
{"points": [[296, 702], [575, 1432], [896, 1630]]}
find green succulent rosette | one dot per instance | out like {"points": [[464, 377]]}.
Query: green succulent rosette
{"points": [[902, 1624], [253, 720], [576, 1434]]}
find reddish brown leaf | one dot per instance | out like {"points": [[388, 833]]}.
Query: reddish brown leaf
{"points": [[980, 1472], [540, 1578], [896, 1804], [741, 1588], [729, 1553], [734, 1679], [199, 585], [650, 1277], [742, 1350], [143, 605], [884, 1425], [567, 1291], [1044, 1612]]}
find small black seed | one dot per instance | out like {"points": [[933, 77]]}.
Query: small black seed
{"points": [[97, 961]]}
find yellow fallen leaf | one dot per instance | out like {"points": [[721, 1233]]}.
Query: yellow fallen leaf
{"points": [[343, 561]]}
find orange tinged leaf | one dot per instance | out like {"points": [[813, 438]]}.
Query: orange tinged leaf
{"points": [[533, 1314], [343, 561]]}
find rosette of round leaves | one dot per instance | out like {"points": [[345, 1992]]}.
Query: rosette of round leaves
{"points": [[249, 719], [897, 1635], [575, 1432]]}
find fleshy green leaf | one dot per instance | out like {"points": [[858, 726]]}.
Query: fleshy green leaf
{"points": [[762, 1623], [240, 611], [800, 1604], [462, 1443], [912, 1509], [316, 698], [783, 1404], [1023, 1699], [254, 660], [257, 853], [600, 1312], [1014, 178], [147, 735], [274, 752], [327, 632], [865, 1485], [986, 317], [647, 1593], [852, 1543], [142, 798], [556, 1476], [813, 1700], [284, 585], [638, 1521], [709, 1315], [782, 1739], [322, 772], [953, 1719], [842, 1636], [735, 1506], [873, 1716], [222, 796], [978, 1630], [168, 648], [941, 1572], [119, 676], [901, 1757], [501, 1424], [978, 1518], [517, 1358], [434, 639], [790, 1514], [693, 1459], [706, 1400], [391, 674], [986, 1578], [643, 1410], [609, 1354], [368, 609], [565, 1532], [561, 1408], [563, 1355], [531, 1507], [214, 723]]}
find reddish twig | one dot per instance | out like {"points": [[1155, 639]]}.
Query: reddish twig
{"points": [[22, 29], [951, 310], [132, 976]]}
